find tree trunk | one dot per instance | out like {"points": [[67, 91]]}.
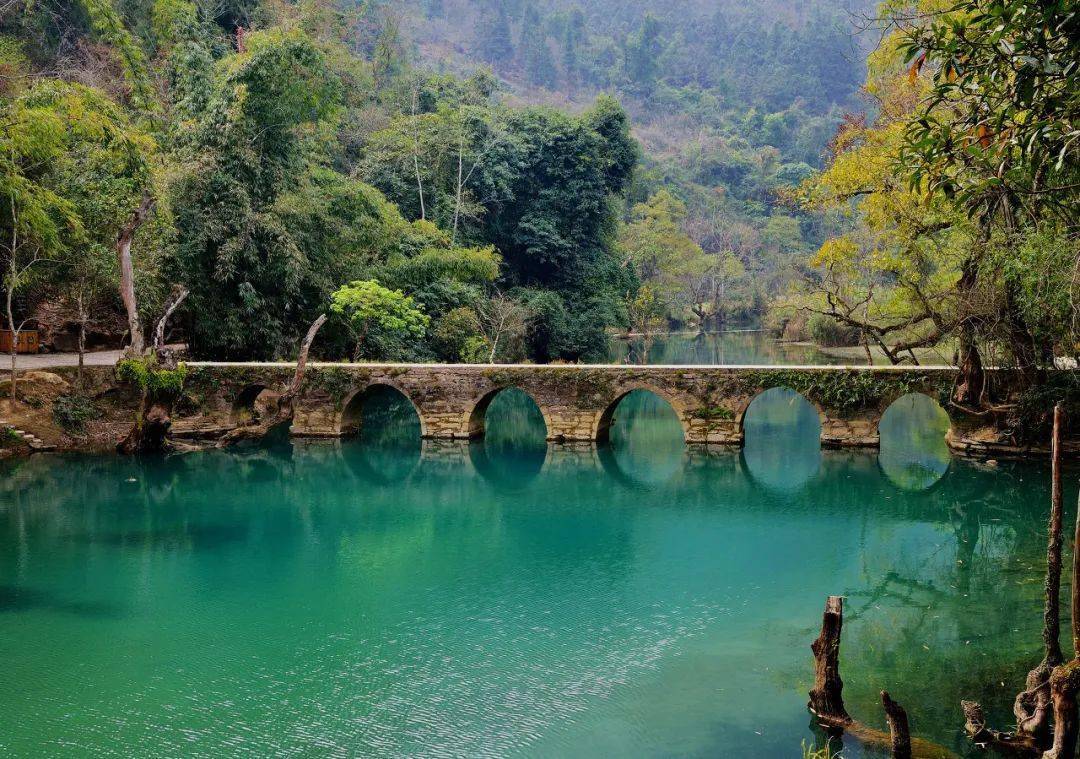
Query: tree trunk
{"points": [[1064, 684], [175, 299], [898, 727], [1032, 707], [11, 327], [284, 410], [457, 197], [127, 271], [826, 697], [969, 388], [81, 301], [1075, 586]]}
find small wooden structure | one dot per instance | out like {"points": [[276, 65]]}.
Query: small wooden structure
{"points": [[28, 341]]}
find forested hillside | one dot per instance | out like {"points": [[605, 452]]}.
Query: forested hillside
{"points": [[474, 180], [266, 156], [731, 101]]}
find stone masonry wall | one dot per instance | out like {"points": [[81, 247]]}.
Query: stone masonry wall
{"points": [[577, 402]]}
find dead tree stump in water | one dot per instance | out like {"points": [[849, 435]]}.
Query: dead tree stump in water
{"points": [[826, 697], [1032, 706], [899, 731], [827, 701], [1064, 684]]}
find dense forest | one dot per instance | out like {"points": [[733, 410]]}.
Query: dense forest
{"points": [[482, 180]]}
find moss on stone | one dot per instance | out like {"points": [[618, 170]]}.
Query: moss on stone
{"points": [[851, 390], [713, 413]]}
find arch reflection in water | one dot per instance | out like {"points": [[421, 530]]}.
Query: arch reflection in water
{"points": [[388, 430], [513, 448], [914, 454], [645, 444], [781, 439]]}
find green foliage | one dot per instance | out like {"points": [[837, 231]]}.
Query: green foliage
{"points": [[850, 391], [1003, 105], [381, 319], [9, 438], [828, 332], [457, 337], [146, 376], [72, 412], [1032, 419]]}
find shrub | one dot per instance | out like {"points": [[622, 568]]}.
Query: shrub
{"points": [[72, 412], [829, 333], [9, 438], [145, 375]]}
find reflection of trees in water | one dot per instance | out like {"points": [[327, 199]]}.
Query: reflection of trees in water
{"points": [[645, 442], [782, 433], [933, 569], [513, 421], [943, 623], [914, 454], [714, 349], [511, 453]]}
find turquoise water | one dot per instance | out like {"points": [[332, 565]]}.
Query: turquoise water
{"points": [[387, 597]]}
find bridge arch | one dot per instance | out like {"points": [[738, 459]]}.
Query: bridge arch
{"points": [[913, 449], [601, 430], [352, 409], [740, 418], [250, 403], [474, 421]]}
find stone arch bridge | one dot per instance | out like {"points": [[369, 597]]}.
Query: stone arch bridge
{"points": [[577, 401]]}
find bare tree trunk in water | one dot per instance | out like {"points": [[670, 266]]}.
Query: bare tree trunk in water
{"points": [[827, 702], [127, 272], [1032, 707], [826, 697], [1065, 680], [1064, 684], [899, 731]]}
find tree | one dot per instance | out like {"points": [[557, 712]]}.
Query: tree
{"points": [[241, 262], [541, 194], [895, 273], [534, 50], [380, 318], [996, 130], [664, 257], [643, 51], [493, 39], [72, 164], [502, 320]]}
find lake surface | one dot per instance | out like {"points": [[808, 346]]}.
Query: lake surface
{"points": [[383, 597], [717, 348]]}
